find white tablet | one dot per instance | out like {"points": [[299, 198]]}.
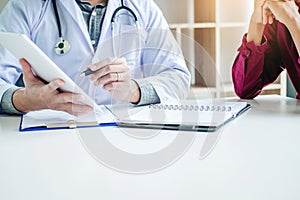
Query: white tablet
{"points": [[22, 47]]}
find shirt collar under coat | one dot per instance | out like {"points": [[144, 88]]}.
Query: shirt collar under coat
{"points": [[73, 9]]}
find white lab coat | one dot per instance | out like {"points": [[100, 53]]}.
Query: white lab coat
{"points": [[160, 57]]}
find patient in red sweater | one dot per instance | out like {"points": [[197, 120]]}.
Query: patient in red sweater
{"points": [[271, 45]]}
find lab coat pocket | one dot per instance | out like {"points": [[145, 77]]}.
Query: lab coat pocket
{"points": [[129, 44]]}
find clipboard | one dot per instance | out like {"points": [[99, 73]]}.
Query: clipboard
{"points": [[56, 120]]}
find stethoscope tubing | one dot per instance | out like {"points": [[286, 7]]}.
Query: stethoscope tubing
{"points": [[63, 45], [57, 18]]}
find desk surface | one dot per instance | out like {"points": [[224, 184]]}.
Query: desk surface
{"points": [[257, 156]]}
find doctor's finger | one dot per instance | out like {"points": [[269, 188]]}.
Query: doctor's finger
{"points": [[27, 72], [66, 98], [106, 62], [112, 87], [54, 85], [113, 77], [108, 70]]}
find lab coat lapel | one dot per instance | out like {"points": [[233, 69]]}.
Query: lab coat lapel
{"points": [[75, 12], [71, 7], [106, 26]]}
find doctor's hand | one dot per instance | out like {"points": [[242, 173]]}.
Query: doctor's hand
{"points": [[113, 74], [37, 95]]}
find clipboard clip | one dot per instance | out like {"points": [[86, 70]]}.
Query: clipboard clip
{"points": [[71, 124]]}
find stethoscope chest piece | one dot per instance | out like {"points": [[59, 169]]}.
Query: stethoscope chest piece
{"points": [[62, 47]]}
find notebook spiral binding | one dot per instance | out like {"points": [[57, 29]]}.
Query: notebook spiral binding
{"points": [[217, 108]]}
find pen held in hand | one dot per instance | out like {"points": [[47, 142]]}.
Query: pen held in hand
{"points": [[86, 73]]}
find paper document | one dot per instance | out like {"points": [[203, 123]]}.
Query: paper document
{"points": [[201, 115], [51, 119]]}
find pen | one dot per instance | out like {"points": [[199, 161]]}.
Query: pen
{"points": [[86, 73]]}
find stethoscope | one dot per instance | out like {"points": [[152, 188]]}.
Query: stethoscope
{"points": [[114, 21], [63, 46]]}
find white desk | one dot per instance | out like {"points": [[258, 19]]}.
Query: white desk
{"points": [[256, 157]]}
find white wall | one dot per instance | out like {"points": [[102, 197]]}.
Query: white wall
{"points": [[175, 11]]}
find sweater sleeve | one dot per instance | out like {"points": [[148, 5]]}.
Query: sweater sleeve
{"points": [[256, 66]]}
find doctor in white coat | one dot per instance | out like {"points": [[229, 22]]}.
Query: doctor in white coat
{"points": [[139, 62]]}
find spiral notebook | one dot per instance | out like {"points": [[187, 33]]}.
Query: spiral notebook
{"points": [[205, 116]]}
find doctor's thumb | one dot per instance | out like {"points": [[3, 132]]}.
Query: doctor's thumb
{"points": [[26, 67]]}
